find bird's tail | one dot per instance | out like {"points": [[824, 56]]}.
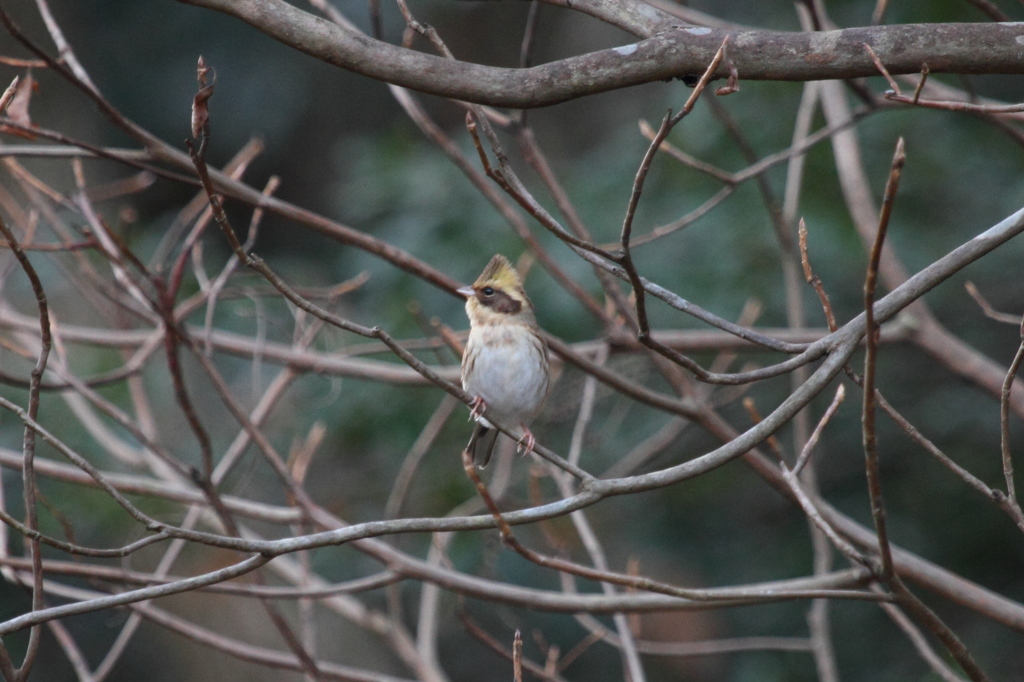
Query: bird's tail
{"points": [[481, 444]]}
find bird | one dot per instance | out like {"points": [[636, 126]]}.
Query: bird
{"points": [[505, 361]]}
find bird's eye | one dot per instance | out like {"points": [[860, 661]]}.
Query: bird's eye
{"points": [[487, 291]]}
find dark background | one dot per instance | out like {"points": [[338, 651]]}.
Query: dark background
{"points": [[343, 148]]}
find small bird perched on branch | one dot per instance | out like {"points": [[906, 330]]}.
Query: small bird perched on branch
{"points": [[505, 363]]}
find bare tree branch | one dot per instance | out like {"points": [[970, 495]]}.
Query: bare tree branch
{"points": [[671, 52]]}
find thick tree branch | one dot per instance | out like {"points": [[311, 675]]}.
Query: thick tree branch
{"points": [[674, 52]]}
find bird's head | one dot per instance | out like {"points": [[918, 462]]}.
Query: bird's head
{"points": [[497, 295]]}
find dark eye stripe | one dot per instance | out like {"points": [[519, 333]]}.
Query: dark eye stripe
{"points": [[499, 301]]}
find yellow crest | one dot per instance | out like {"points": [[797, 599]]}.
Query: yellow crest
{"points": [[501, 274]]}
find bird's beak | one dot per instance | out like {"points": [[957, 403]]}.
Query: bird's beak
{"points": [[468, 292]]}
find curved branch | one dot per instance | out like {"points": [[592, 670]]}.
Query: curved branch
{"points": [[673, 52]]}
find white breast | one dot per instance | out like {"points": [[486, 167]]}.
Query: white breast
{"points": [[509, 373]]}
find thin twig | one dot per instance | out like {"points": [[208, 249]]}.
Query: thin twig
{"points": [[870, 437], [987, 308], [1004, 424], [132, 596], [8, 95], [954, 105], [879, 13], [920, 642], [813, 279], [881, 68], [808, 448], [925, 70], [632, 581], [29, 444]]}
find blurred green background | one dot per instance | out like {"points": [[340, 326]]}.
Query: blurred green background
{"points": [[342, 147]]}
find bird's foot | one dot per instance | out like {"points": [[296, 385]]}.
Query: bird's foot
{"points": [[476, 408], [527, 442]]}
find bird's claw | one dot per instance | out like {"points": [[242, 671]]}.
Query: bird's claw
{"points": [[526, 443], [476, 408]]}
